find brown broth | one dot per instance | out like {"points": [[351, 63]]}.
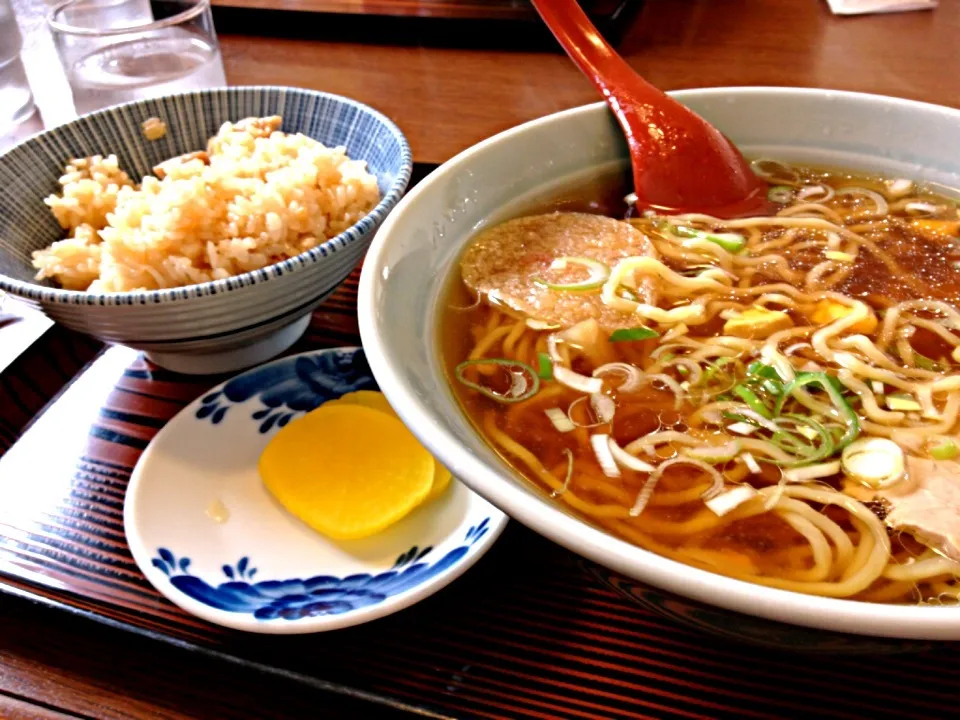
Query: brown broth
{"points": [[760, 545]]}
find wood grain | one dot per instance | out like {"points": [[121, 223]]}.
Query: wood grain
{"points": [[446, 98], [15, 709], [91, 671]]}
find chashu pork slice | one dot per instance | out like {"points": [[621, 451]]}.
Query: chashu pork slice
{"points": [[927, 504], [503, 263]]}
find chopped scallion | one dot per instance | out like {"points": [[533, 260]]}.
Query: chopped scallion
{"points": [[632, 334], [926, 363], [812, 472], [545, 366], [874, 461], [751, 462], [768, 372], [730, 500], [524, 381], [751, 399], [781, 194], [832, 387], [903, 402], [731, 242], [559, 419], [942, 448], [742, 428]]}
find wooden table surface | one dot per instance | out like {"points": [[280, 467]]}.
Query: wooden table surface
{"points": [[446, 90]]}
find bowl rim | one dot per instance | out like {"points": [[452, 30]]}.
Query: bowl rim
{"points": [[548, 519], [359, 230]]}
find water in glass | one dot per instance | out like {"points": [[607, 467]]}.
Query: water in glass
{"points": [[142, 67], [16, 100]]}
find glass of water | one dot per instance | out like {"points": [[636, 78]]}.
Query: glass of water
{"points": [[16, 100], [114, 51]]}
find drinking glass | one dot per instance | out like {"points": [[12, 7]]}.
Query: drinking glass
{"points": [[16, 100], [114, 51]]}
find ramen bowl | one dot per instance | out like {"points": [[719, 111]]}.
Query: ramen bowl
{"points": [[414, 257], [224, 324]]}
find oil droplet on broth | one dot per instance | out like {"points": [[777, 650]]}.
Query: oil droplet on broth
{"points": [[217, 511]]}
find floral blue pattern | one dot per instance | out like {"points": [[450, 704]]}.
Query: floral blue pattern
{"points": [[291, 386], [310, 597]]}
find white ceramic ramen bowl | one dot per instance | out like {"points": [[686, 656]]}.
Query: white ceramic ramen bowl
{"points": [[412, 258]]}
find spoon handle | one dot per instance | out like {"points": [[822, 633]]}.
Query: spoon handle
{"points": [[602, 65], [680, 162]]}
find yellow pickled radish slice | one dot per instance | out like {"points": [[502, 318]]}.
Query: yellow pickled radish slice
{"points": [[373, 399], [376, 400], [441, 481], [347, 471]]}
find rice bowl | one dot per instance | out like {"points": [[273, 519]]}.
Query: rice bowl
{"points": [[221, 324]]}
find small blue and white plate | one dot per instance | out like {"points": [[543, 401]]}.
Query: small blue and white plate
{"points": [[208, 535]]}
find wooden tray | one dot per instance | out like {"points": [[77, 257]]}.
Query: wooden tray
{"points": [[529, 632]]}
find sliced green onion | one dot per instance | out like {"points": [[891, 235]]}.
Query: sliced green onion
{"points": [[808, 432], [730, 500], [545, 366], [631, 334], [767, 372], [812, 472], [874, 461], [780, 194], [715, 453], [942, 448], [751, 399], [601, 448], [742, 428], [751, 462], [805, 449], [628, 460], [749, 416], [598, 274], [576, 381], [559, 420], [603, 406], [773, 387], [903, 402], [829, 384], [711, 370], [731, 242], [524, 380], [926, 363], [628, 294]]}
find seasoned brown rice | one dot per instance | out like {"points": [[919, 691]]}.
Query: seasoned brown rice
{"points": [[255, 197]]}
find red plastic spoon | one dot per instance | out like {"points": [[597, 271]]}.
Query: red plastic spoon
{"points": [[681, 163]]}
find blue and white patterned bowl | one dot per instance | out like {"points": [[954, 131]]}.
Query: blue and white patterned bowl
{"points": [[216, 326], [210, 537]]}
